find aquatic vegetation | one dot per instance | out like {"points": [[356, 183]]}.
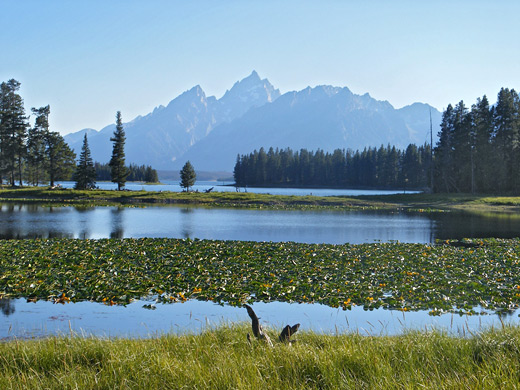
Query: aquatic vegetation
{"points": [[449, 276]]}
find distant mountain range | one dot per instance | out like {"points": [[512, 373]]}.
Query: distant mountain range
{"points": [[210, 132]]}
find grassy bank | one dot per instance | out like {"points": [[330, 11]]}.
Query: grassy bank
{"points": [[214, 199], [400, 276], [223, 359], [413, 202]]}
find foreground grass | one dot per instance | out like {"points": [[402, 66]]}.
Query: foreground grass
{"points": [[223, 359], [400, 276]]}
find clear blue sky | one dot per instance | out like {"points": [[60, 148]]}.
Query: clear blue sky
{"points": [[90, 58]]}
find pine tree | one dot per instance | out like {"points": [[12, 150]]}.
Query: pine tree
{"points": [[463, 142], [238, 172], [119, 171], [13, 131], [506, 120], [85, 175], [444, 152], [483, 157], [188, 176], [151, 175], [60, 158], [36, 145]]}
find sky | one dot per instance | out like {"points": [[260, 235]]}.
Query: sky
{"points": [[88, 59]]}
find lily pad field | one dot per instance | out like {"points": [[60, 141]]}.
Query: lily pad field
{"points": [[461, 277]]}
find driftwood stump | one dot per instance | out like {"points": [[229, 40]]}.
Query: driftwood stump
{"points": [[259, 333], [287, 332]]}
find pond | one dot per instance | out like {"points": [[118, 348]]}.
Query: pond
{"points": [[22, 319], [327, 226]]}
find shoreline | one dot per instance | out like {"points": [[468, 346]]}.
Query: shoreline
{"points": [[395, 202]]}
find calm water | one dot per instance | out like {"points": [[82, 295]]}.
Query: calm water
{"points": [[24, 320], [335, 227]]}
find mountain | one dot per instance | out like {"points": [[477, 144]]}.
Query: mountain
{"points": [[210, 132], [163, 135], [322, 117]]}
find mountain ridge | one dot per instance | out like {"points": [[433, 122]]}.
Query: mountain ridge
{"points": [[210, 132]]}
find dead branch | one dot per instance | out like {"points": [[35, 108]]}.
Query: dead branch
{"points": [[257, 328], [287, 332], [285, 336]]}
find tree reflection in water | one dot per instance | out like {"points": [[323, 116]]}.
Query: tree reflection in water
{"points": [[117, 222], [7, 306]]}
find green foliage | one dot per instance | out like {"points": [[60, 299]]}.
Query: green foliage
{"points": [[188, 176], [385, 167], [85, 175], [223, 359], [440, 278], [119, 171]]}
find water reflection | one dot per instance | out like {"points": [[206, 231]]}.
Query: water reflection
{"points": [[7, 306], [19, 221], [187, 222], [88, 318], [117, 214]]}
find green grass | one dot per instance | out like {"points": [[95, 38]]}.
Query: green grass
{"points": [[213, 199], [412, 202], [385, 275], [223, 359]]}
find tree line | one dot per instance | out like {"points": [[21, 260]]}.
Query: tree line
{"points": [[135, 173], [383, 167], [478, 151], [36, 155], [479, 147]]}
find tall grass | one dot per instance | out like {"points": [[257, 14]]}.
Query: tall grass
{"points": [[224, 359]]}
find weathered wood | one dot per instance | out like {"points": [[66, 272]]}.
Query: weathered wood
{"points": [[256, 327], [287, 332]]}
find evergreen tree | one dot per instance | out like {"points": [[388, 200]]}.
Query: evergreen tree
{"points": [[506, 121], [482, 121], [36, 145], [238, 172], [13, 131], [463, 142], [119, 172], [444, 152], [60, 159], [188, 176], [85, 174], [151, 175]]}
